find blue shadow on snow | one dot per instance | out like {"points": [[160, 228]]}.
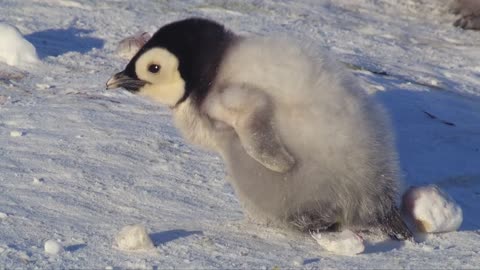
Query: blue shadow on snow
{"points": [[76, 247], [55, 42], [161, 238]]}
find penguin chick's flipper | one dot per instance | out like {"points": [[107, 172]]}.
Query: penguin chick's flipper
{"points": [[249, 112], [394, 226]]}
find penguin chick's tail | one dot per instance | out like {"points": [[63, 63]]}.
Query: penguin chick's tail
{"points": [[394, 226]]}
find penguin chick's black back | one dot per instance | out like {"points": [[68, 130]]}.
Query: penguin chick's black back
{"points": [[199, 45]]}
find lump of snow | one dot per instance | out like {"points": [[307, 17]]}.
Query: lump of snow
{"points": [[3, 216], [432, 210], [14, 49], [128, 47], [133, 237], [53, 247], [16, 133], [43, 86], [342, 243]]}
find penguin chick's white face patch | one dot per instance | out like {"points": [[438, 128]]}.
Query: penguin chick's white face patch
{"points": [[159, 68]]}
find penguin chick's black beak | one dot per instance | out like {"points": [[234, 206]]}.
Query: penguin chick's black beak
{"points": [[120, 80]]}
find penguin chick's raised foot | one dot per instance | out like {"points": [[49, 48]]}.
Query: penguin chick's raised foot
{"points": [[469, 10], [304, 145]]}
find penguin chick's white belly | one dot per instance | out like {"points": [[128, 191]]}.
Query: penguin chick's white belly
{"points": [[345, 167]]}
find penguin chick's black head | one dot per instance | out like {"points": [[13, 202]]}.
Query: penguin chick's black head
{"points": [[180, 61]]}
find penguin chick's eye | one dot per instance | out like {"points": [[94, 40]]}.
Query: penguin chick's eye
{"points": [[154, 68]]}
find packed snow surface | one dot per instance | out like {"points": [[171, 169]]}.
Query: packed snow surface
{"points": [[110, 158], [14, 49], [432, 210], [133, 237]]}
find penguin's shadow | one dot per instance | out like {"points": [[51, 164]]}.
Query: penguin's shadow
{"points": [[385, 246], [162, 238], [75, 247], [55, 42], [437, 136]]}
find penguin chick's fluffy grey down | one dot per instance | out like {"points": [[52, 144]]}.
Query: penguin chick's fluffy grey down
{"points": [[304, 145]]}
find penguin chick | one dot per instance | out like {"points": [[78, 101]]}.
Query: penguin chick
{"points": [[304, 145]]}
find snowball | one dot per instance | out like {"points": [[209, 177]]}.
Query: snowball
{"points": [[432, 210], [133, 237], [128, 47], [297, 261], [14, 49], [16, 133], [53, 247], [343, 243]]}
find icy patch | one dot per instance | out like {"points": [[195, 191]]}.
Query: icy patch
{"points": [[53, 247], [432, 210], [128, 47], [342, 243], [134, 237], [14, 49], [3, 99]]}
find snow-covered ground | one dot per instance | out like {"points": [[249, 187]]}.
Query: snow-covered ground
{"points": [[78, 163]]}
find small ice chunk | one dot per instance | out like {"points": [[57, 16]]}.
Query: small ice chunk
{"points": [[15, 50], [16, 133], [38, 181], [432, 210], [345, 242], [53, 247], [128, 47], [133, 237], [43, 86], [3, 216]]}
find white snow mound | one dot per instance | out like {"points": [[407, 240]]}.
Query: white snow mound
{"points": [[14, 49], [342, 243], [53, 247], [432, 210], [133, 237]]}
